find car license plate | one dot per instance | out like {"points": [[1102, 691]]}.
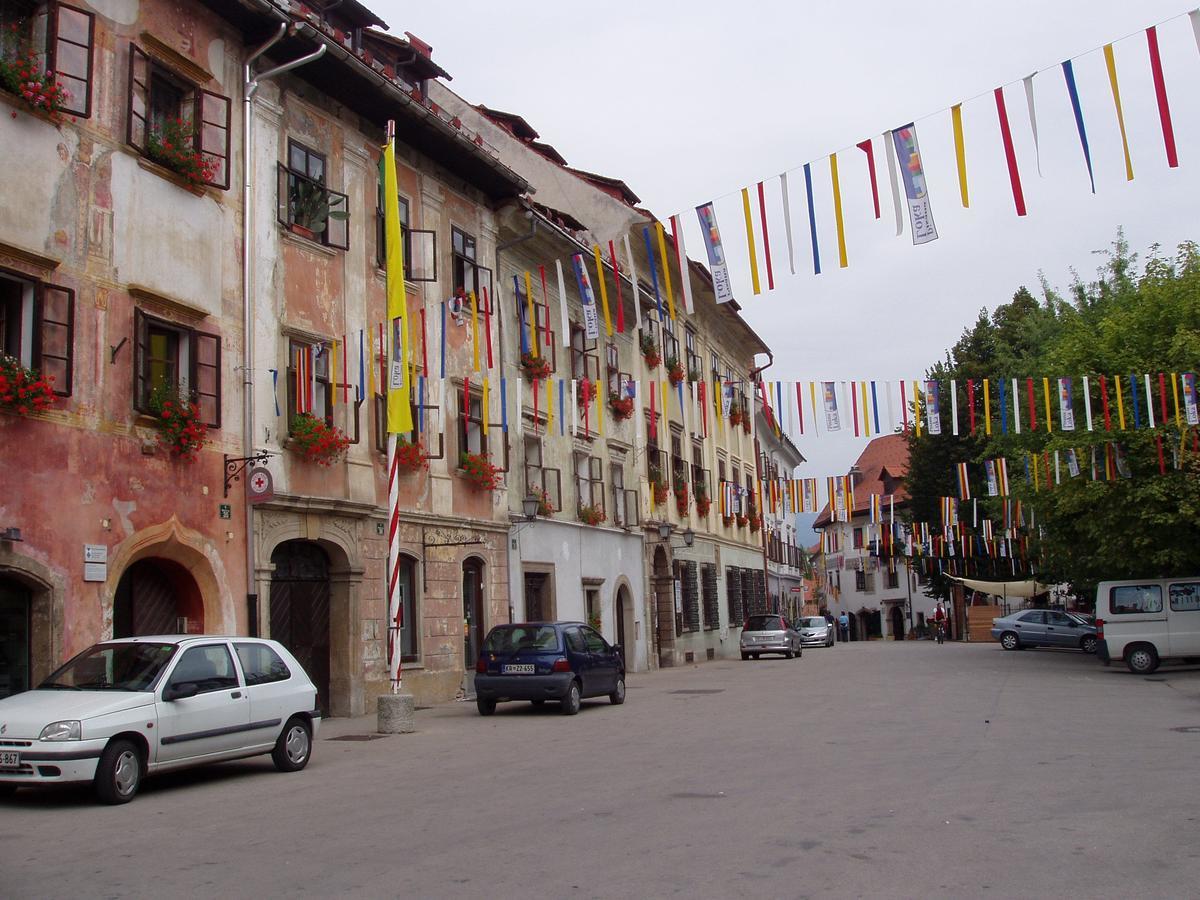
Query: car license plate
{"points": [[10, 760], [518, 669]]}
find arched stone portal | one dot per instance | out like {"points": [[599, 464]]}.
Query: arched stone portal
{"points": [[157, 596], [664, 594]]}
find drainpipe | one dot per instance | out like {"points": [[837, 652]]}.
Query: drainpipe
{"points": [[250, 85], [762, 529]]}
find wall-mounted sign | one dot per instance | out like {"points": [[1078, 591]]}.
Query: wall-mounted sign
{"points": [[95, 553], [226, 511], [259, 486]]}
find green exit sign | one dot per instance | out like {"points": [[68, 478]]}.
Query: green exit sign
{"points": [[226, 511]]}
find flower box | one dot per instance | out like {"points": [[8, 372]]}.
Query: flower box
{"points": [[477, 468], [650, 352], [675, 371], [315, 440], [410, 456], [536, 368], [586, 392], [622, 407], [591, 515], [660, 492], [173, 145], [755, 521], [703, 504], [545, 507], [24, 390], [180, 430], [741, 521], [681, 500], [21, 74]]}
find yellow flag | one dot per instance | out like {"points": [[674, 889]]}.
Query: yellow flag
{"points": [[666, 267], [917, 406], [1120, 402], [750, 241], [603, 290], [534, 341], [837, 210], [960, 151], [987, 407], [485, 411], [1111, 62], [1046, 397], [399, 406]]}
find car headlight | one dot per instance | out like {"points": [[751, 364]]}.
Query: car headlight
{"points": [[61, 731]]}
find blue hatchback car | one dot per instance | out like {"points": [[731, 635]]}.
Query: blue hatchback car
{"points": [[540, 661]]}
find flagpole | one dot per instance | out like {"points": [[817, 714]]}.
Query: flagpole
{"points": [[395, 610]]}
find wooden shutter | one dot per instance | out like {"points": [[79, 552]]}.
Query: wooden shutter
{"points": [[54, 336], [283, 195], [212, 133], [137, 127], [70, 56], [708, 586], [733, 597], [691, 597], [206, 377], [337, 231], [141, 344]]}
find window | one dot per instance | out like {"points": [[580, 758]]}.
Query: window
{"points": [[625, 502], [544, 335], [210, 668], [589, 480], [37, 328], [60, 38], [1054, 617], [164, 106], [1034, 617], [314, 392], [261, 664], [860, 580], [471, 437], [1185, 597], [695, 366], [421, 415], [670, 342], [538, 478], [1136, 598], [893, 577], [305, 205], [733, 595], [410, 624], [575, 640], [708, 590], [858, 539], [584, 362], [172, 360], [595, 643], [688, 618], [679, 465]]}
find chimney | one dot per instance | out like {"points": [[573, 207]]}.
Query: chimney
{"points": [[419, 45]]}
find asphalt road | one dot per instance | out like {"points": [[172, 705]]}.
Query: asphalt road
{"points": [[879, 770]]}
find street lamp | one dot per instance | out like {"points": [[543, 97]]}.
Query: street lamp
{"points": [[530, 506], [666, 529]]}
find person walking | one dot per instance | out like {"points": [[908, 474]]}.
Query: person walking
{"points": [[844, 626]]}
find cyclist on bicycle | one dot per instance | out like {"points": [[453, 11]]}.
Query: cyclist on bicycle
{"points": [[940, 622]]}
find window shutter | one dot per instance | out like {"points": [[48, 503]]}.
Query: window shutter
{"points": [[337, 230], [708, 586], [212, 133], [420, 262], [141, 391], [54, 336], [206, 377], [137, 127], [760, 592], [733, 597], [69, 56], [283, 211], [691, 597]]}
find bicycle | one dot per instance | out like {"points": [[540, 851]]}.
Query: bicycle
{"points": [[940, 632]]}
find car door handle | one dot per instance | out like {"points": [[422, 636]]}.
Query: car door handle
{"points": [[236, 694]]}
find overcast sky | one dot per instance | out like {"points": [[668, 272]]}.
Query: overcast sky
{"points": [[690, 107]]}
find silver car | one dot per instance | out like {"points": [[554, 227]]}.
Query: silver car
{"points": [[769, 634], [1044, 628], [815, 630]]}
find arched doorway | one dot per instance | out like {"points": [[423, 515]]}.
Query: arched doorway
{"points": [[664, 601], [157, 596], [300, 609], [623, 612], [16, 637], [897, 623], [473, 623]]}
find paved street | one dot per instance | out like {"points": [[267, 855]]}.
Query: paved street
{"points": [[898, 770]]}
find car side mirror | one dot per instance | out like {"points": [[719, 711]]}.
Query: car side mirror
{"points": [[617, 649], [181, 691]]}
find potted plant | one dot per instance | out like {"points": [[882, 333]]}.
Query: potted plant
{"points": [[755, 521], [620, 404], [477, 468], [694, 374], [545, 507], [741, 521], [674, 370], [181, 431], [735, 414], [681, 499], [312, 206], [410, 455], [315, 440], [650, 352], [591, 515], [703, 503], [536, 368], [658, 485], [727, 521], [586, 392], [746, 422], [24, 390], [173, 145], [21, 74]]}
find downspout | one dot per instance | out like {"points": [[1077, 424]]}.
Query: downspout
{"points": [[249, 87], [762, 530]]}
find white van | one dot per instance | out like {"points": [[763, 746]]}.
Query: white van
{"points": [[1147, 620]]}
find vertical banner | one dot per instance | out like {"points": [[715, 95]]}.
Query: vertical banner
{"points": [[960, 152], [868, 147], [989, 471], [1191, 407], [1160, 93], [889, 145], [920, 214], [399, 405], [829, 392], [564, 323], [812, 219], [932, 408], [837, 210], [591, 320], [1010, 153], [750, 242], [1110, 62], [787, 220], [1066, 404], [1073, 91], [722, 286], [1029, 102]]}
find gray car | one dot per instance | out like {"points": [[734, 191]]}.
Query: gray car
{"points": [[769, 634], [1044, 628], [815, 630]]}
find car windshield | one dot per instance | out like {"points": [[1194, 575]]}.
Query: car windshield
{"points": [[763, 623], [112, 667], [511, 638], [813, 623]]}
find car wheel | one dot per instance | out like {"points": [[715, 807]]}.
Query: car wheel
{"points": [[617, 697], [788, 654], [486, 707], [1142, 659], [570, 700], [119, 773], [294, 746], [745, 655], [1009, 641], [1088, 644]]}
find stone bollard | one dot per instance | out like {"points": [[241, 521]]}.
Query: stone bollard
{"points": [[395, 712]]}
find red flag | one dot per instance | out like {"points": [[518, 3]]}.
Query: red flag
{"points": [[762, 215], [1160, 92], [1104, 401], [800, 406], [545, 306], [1014, 174], [1032, 405], [868, 148]]}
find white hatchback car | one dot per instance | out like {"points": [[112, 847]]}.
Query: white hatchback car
{"points": [[126, 708]]}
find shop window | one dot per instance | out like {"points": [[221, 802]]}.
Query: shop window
{"points": [[172, 360], [164, 106], [306, 205], [56, 38], [37, 328]]}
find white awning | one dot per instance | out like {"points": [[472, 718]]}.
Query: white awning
{"points": [[1004, 588]]}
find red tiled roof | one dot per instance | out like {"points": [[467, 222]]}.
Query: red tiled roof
{"points": [[882, 466]]}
